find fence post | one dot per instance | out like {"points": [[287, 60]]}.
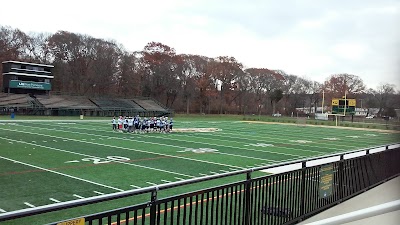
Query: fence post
{"points": [[153, 206], [247, 211], [303, 189], [341, 178]]}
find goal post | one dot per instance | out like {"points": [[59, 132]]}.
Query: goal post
{"points": [[336, 117]]}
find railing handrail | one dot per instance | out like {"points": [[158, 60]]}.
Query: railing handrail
{"points": [[360, 214], [106, 197]]}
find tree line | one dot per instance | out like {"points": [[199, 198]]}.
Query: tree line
{"points": [[85, 65]]}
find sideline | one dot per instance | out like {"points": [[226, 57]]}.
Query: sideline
{"points": [[336, 127]]}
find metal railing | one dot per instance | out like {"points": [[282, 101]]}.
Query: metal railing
{"points": [[282, 198]]}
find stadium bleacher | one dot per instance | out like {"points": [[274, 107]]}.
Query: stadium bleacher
{"points": [[116, 104], [14, 100], [55, 104], [149, 104], [72, 102]]}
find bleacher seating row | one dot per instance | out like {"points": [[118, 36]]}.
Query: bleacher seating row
{"points": [[80, 102], [15, 100]]}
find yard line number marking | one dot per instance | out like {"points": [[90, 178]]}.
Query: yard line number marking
{"points": [[199, 150], [261, 145], [62, 174]]}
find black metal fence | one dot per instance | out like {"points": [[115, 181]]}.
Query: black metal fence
{"points": [[283, 198]]}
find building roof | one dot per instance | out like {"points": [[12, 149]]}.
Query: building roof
{"points": [[27, 63], [28, 75]]}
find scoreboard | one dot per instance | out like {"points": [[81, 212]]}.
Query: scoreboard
{"points": [[343, 106]]}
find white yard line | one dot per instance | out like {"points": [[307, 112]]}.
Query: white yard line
{"points": [[62, 174], [166, 181], [29, 204], [2, 210], [78, 196], [125, 163], [130, 149], [134, 186], [221, 153], [154, 184], [294, 135], [98, 192], [54, 200]]}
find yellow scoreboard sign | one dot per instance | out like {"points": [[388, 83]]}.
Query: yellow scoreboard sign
{"points": [[343, 106], [339, 101], [352, 102]]}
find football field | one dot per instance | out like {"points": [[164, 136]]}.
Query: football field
{"points": [[46, 162]]}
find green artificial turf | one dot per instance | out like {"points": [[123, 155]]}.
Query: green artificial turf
{"points": [[44, 160]]}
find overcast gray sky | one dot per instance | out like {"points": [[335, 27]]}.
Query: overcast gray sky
{"points": [[308, 38]]}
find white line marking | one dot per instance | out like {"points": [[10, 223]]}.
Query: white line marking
{"points": [[78, 196], [202, 174], [225, 171], [166, 181], [214, 172], [98, 192], [29, 204], [2, 210], [134, 186], [54, 200], [165, 171], [132, 149], [151, 183], [73, 161], [62, 174]]}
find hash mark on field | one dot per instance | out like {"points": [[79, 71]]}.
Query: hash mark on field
{"points": [[202, 174], [214, 172], [54, 200], [151, 183], [78, 196], [98, 192], [134, 186], [166, 181], [29, 204], [2, 210], [232, 168], [224, 171]]}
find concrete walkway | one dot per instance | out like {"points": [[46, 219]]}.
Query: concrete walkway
{"points": [[387, 192]]}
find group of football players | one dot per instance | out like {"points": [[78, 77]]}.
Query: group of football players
{"points": [[145, 125]]}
